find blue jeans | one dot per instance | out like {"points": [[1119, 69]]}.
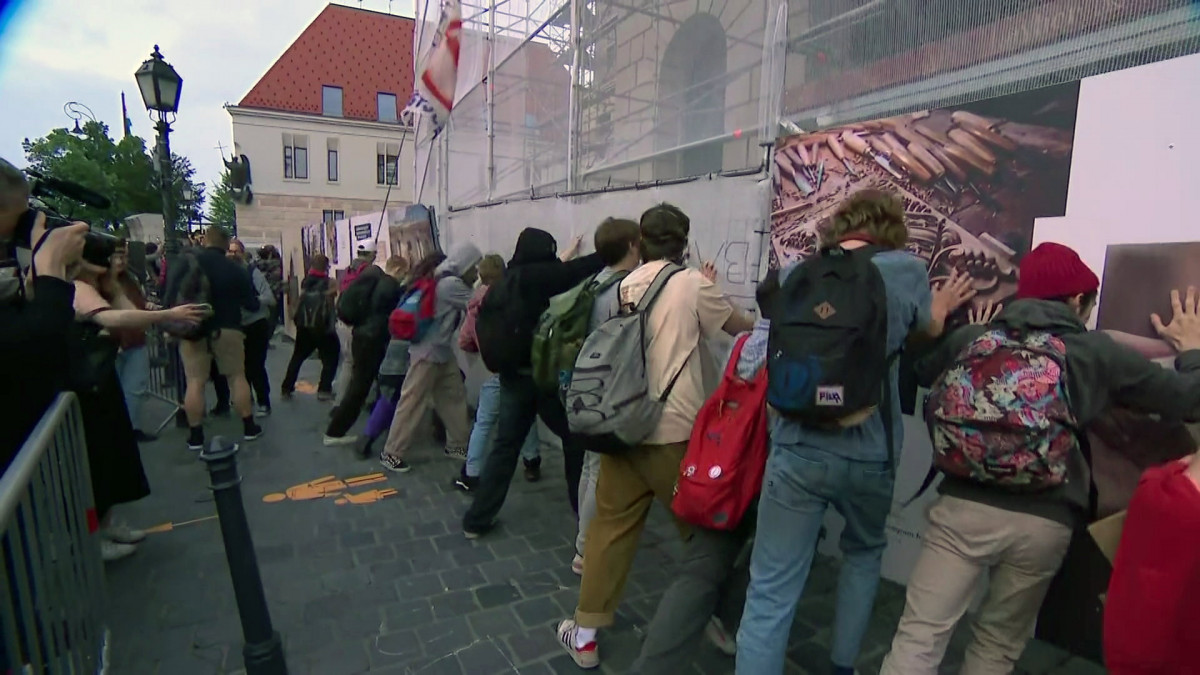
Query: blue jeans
{"points": [[800, 483], [486, 414], [133, 369]]}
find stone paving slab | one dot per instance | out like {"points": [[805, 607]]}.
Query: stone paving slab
{"points": [[393, 587]]}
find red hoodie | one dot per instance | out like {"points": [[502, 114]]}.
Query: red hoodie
{"points": [[1152, 612]]}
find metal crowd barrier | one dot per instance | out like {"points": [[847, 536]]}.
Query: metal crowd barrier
{"points": [[167, 382], [51, 575]]}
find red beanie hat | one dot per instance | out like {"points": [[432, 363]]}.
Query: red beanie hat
{"points": [[1054, 271]]}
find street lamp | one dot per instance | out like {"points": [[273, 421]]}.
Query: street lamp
{"points": [[161, 87], [77, 111]]}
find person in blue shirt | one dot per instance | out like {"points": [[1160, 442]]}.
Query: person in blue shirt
{"points": [[810, 470]]}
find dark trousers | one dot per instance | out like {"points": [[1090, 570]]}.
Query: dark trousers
{"points": [[368, 355], [307, 341], [711, 580], [520, 404], [258, 337]]}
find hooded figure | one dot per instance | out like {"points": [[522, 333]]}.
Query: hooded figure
{"points": [[455, 276], [433, 374], [535, 274]]}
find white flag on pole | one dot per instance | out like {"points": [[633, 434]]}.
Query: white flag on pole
{"points": [[437, 74]]}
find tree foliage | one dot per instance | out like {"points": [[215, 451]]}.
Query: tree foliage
{"points": [[121, 170], [221, 208]]}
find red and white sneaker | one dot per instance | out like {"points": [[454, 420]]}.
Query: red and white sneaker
{"points": [[587, 656]]}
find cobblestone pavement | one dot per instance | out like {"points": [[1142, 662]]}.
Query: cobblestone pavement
{"points": [[393, 587]]}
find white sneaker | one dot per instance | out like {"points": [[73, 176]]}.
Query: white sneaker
{"points": [[721, 639], [331, 441], [111, 550], [586, 657], [122, 533]]}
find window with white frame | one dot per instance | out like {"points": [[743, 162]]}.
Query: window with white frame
{"points": [[329, 216], [295, 156], [386, 155], [331, 159]]}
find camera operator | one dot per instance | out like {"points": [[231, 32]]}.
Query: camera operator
{"points": [[35, 313]]}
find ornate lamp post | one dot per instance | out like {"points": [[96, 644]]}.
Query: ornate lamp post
{"points": [[77, 111], [161, 86]]}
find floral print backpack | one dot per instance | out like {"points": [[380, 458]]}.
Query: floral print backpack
{"points": [[1000, 415]]}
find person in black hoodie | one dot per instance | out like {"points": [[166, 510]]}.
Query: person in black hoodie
{"points": [[505, 330], [368, 344]]}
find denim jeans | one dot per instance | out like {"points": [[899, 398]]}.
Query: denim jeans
{"points": [[486, 413], [133, 370], [800, 483]]}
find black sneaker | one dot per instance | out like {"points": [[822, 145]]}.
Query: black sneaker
{"points": [[364, 448], [466, 483], [251, 430], [196, 439], [143, 437], [473, 534], [533, 471], [394, 464], [219, 410]]}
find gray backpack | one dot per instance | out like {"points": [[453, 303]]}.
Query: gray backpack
{"points": [[608, 400]]}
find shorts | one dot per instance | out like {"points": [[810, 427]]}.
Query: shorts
{"points": [[226, 347]]}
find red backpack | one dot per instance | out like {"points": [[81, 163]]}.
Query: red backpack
{"points": [[414, 315], [722, 472]]}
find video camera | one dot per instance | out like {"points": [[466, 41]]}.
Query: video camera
{"points": [[98, 247]]}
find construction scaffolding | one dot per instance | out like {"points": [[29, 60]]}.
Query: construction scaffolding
{"points": [[559, 96]]}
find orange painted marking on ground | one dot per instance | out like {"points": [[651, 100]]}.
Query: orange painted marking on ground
{"points": [[368, 497], [326, 486], [167, 527]]}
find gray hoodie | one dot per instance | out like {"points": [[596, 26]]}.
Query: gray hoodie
{"points": [[452, 297]]}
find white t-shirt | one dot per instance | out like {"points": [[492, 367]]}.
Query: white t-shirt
{"points": [[689, 307]]}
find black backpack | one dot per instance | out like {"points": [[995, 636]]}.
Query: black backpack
{"points": [[354, 307], [193, 289], [503, 327], [827, 351], [315, 307]]}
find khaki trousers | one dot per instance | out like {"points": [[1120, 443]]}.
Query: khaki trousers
{"points": [[441, 385], [1021, 554], [625, 488]]}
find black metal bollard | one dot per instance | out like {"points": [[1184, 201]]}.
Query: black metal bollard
{"points": [[263, 652]]}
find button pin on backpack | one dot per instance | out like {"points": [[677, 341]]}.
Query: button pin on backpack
{"points": [[690, 471], [824, 310], [714, 473]]}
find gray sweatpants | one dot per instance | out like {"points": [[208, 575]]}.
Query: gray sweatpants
{"points": [[711, 581]]}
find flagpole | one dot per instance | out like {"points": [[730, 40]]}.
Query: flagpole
{"points": [[388, 194]]}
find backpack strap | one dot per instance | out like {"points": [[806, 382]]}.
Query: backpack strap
{"points": [[735, 356], [656, 287], [615, 278]]}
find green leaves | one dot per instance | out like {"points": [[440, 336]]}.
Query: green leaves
{"points": [[221, 209], [121, 170]]}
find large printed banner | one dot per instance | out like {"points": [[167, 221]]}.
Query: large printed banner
{"points": [[973, 180], [982, 183]]}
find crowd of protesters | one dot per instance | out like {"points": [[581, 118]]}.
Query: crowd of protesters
{"points": [[1005, 511]]}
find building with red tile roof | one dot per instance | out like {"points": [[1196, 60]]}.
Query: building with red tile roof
{"points": [[321, 128]]}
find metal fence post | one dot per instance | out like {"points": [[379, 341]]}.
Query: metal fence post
{"points": [[263, 652]]}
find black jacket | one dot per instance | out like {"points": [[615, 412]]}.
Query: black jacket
{"points": [[1100, 373], [541, 274], [229, 283], [384, 298], [34, 359]]}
